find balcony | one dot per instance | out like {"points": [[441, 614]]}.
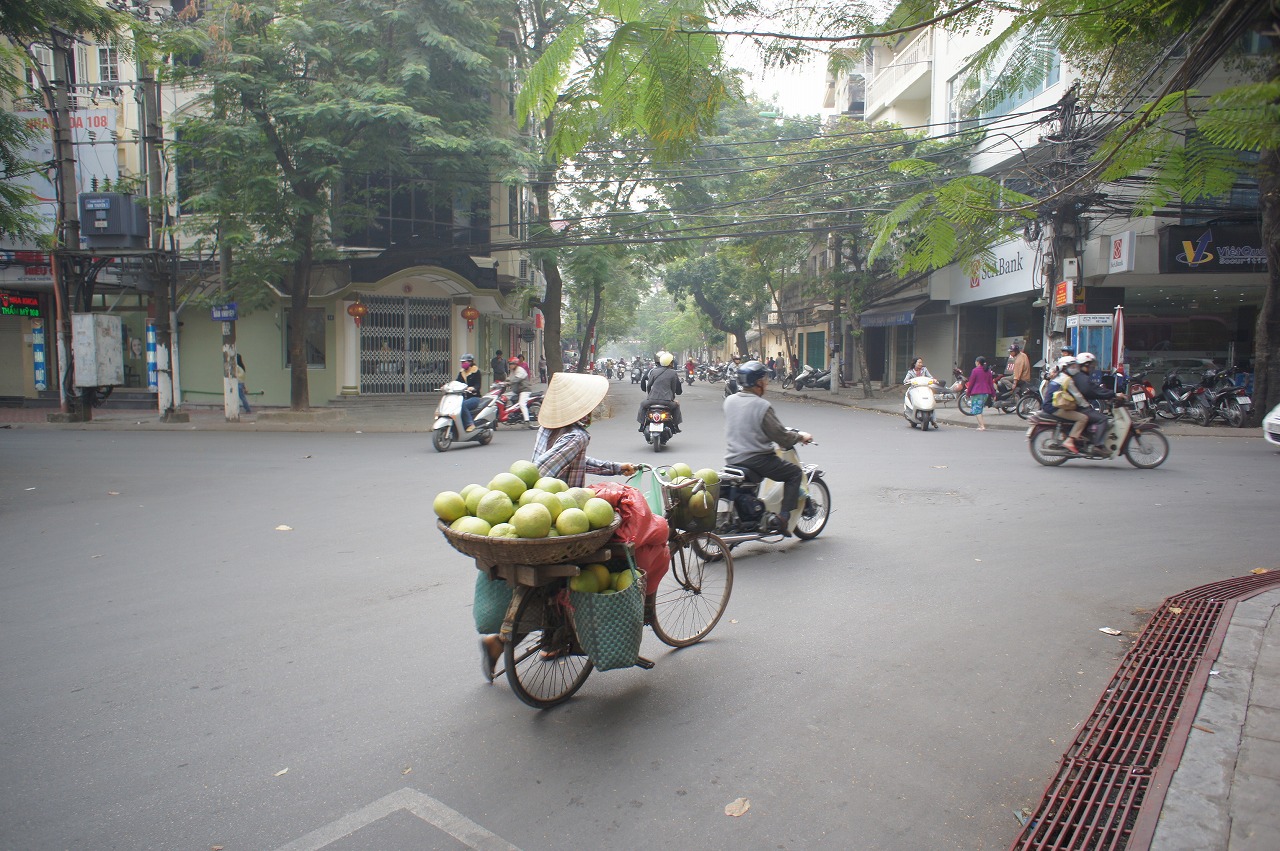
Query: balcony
{"points": [[906, 77]]}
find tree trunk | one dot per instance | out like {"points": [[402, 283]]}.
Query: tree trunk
{"points": [[552, 322], [589, 332], [300, 295], [740, 337], [860, 352]]}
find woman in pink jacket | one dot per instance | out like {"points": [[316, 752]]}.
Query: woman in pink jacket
{"points": [[981, 386]]}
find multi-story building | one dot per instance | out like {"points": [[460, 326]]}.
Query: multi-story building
{"points": [[419, 269], [1191, 278]]}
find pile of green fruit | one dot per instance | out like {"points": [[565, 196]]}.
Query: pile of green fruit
{"points": [[522, 504], [696, 507], [596, 579]]}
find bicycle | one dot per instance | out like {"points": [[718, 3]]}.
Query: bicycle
{"points": [[544, 662]]}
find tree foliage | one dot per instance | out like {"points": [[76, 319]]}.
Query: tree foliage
{"points": [[296, 95]]}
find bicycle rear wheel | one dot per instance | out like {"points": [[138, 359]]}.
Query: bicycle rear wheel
{"points": [[695, 591], [545, 665]]}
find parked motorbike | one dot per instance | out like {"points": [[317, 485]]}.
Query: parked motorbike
{"points": [[659, 426], [803, 377], [1142, 394], [1141, 443], [1005, 400], [448, 419], [1224, 400], [1176, 400], [919, 402], [748, 507]]}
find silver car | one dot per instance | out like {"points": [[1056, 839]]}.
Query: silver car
{"points": [[1271, 426]]}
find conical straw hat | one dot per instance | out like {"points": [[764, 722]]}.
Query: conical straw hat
{"points": [[570, 397]]}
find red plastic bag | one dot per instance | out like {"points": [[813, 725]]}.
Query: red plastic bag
{"points": [[640, 527]]}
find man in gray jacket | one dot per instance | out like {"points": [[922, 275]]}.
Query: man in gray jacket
{"points": [[751, 428]]}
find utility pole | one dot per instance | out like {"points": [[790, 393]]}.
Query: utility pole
{"points": [[66, 267], [1064, 230]]}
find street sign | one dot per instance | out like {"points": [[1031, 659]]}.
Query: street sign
{"points": [[224, 312]]}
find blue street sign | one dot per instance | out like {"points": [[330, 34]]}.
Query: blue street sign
{"points": [[224, 312]]}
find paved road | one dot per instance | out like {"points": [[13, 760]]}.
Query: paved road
{"points": [[908, 680]]}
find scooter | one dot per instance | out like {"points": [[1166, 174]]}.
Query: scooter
{"points": [[1177, 400], [1142, 444], [748, 507], [688, 376], [659, 426], [636, 374], [507, 406], [448, 419], [919, 403], [803, 377]]}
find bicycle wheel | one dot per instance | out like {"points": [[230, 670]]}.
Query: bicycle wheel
{"points": [[545, 665], [695, 591]]}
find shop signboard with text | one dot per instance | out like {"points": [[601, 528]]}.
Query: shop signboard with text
{"points": [[1212, 249], [1010, 268]]}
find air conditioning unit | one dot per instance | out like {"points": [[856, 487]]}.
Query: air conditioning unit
{"points": [[524, 270], [110, 220]]}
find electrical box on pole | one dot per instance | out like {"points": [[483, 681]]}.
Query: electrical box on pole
{"points": [[110, 220], [97, 348]]}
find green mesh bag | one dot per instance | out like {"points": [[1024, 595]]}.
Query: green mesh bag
{"points": [[492, 598], [609, 626]]}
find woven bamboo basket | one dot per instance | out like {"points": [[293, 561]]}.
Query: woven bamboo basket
{"points": [[563, 548]]}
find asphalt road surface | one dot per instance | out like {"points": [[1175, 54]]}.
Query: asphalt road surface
{"points": [[180, 674]]}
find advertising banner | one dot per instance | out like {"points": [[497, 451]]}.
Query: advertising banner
{"points": [[1212, 249]]}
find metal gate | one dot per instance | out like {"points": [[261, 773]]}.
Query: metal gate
{"points": [[404, 345]]}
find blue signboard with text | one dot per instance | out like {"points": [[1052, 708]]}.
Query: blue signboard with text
{"points": [[224, 312]]}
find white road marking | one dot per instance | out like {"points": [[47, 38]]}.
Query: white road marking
{"points": [[423, 806]]}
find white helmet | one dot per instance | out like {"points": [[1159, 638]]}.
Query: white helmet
{"points": [[665, 358], [1065, 361], [1086, 358]]}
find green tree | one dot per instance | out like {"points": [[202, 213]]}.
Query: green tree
{"points": [[295, 95]]}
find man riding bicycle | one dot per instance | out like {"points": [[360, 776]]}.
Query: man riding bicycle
{"points": [[751, 428]]}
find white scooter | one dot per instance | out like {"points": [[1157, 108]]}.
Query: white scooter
{"points": [[919, 403], [448, 425]]}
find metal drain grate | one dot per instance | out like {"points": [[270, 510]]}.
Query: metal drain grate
{"points": [[1110, 784]]}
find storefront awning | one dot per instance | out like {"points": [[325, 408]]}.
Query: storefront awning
{"points": [[902, 313]]}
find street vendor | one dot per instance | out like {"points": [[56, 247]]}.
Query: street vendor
{"points": [[561, 451], [561, 447]]}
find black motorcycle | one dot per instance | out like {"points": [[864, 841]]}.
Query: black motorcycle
{"points": [[659, 424], [636, 374], [1176, 400], [1224, 400]]}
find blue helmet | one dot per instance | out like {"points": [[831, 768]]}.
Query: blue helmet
{"points": [[750, 373]]}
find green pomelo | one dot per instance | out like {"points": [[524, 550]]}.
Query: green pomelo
{"points": [[702, 504], [599, 513], [681, 469], [684, 487], [527, 471], [551, 485], [509, 484], [470, 525], [449, 506], [503, 530], [532, 520], [603, 577], [465, 492], [572, 521], [708, 475], [550, 500], [567, 501], [622, 581], [527, 496], [495, 507], [581, 495], [585, 583], [473, 498]]}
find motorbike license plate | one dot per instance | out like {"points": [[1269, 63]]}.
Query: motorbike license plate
{"points": [[655, 428], [1244, 400]]}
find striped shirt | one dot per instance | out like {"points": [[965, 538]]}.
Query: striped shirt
{"points": [[562, 453]]}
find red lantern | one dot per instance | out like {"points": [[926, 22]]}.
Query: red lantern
{"points": [[470, 314], [357, 311]]}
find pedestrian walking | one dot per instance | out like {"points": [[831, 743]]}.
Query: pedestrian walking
{"points": [[241, 374], [981, 386]]}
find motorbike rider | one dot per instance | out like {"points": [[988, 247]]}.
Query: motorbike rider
{"points": [[1056, 405], [662, 383], [1091, 388], [917, 370], [690, 367], [751, 428], [518, 383], [469, 374]]}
